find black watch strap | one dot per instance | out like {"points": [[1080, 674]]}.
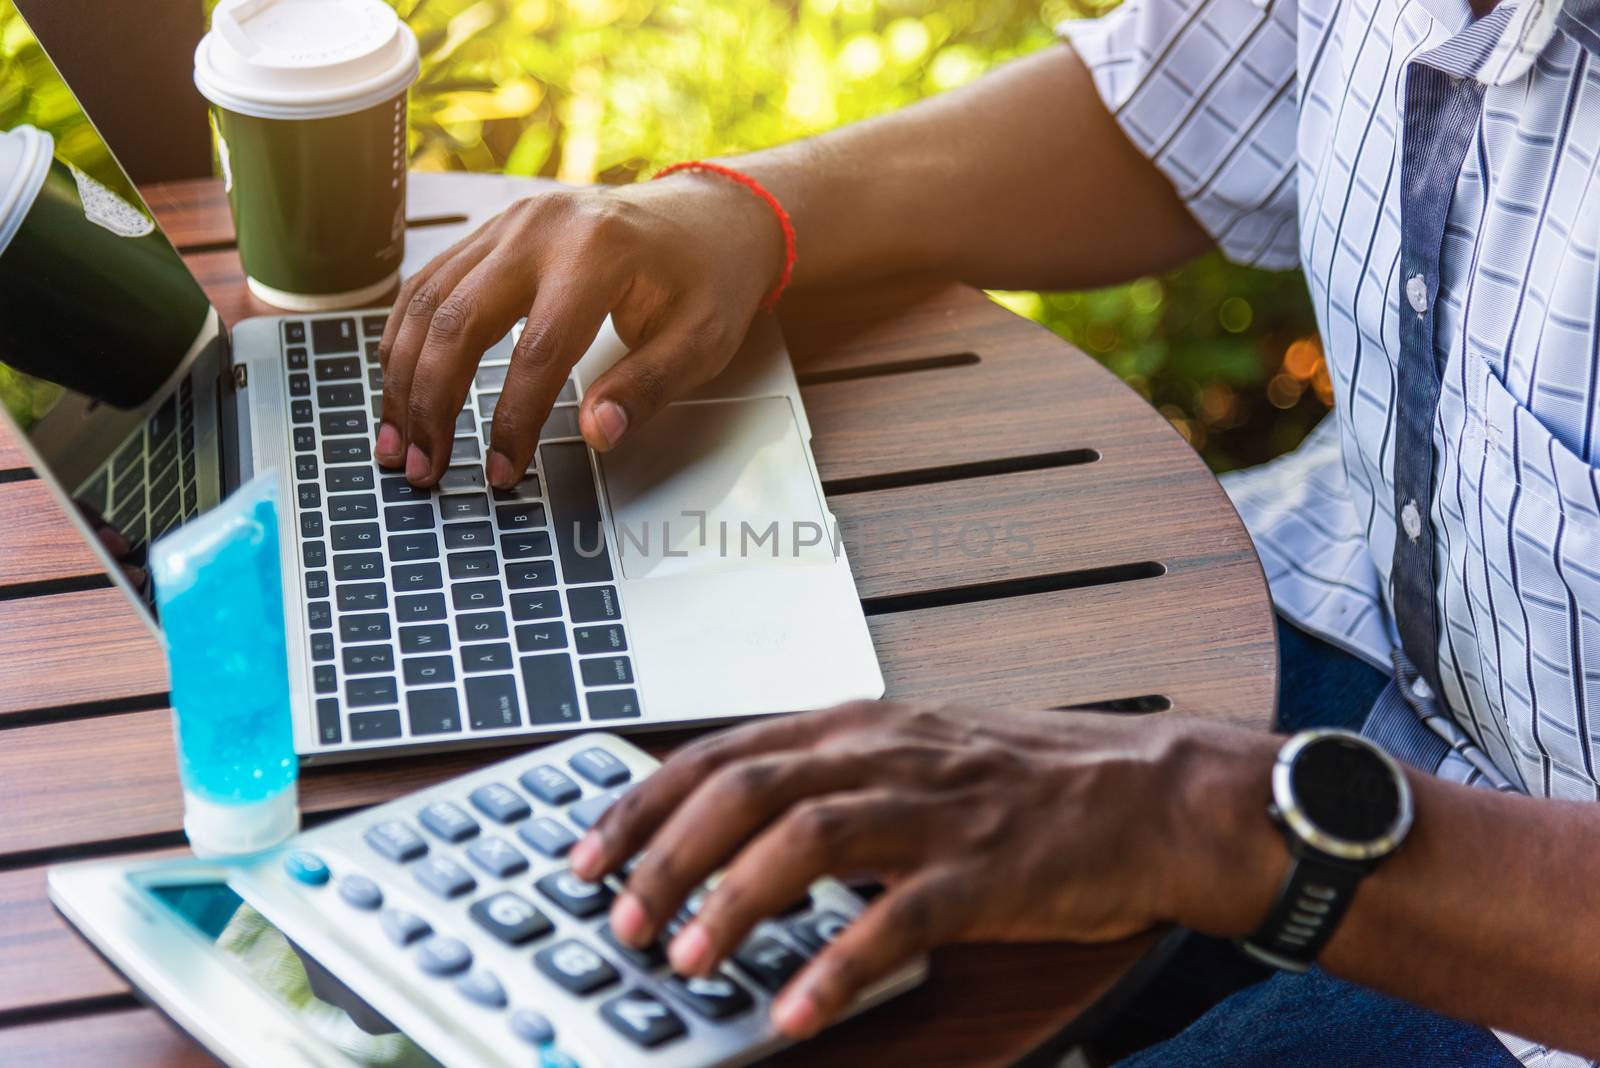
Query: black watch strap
{"points": [[1311, 902]]}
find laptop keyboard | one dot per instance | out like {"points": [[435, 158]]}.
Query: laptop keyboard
{"points": [[456, 611], [149, 486]]}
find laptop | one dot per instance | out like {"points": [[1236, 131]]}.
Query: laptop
{"points": [[692, 576]]}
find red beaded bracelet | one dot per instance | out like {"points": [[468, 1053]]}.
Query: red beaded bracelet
{"points": [[770, 301]]}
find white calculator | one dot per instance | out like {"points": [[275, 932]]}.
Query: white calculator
{"points": [[442, 928]]}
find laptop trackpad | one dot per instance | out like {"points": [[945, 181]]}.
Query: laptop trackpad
{"points": [[715, 486]]}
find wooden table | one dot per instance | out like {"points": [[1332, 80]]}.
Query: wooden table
{"points": [[946, 429]]}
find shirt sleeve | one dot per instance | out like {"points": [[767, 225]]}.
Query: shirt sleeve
{"points": [[1207, 90]]}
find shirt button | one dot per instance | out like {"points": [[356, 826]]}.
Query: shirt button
{"points": [[1411, 520], [1417, 293], [1421, 690]]}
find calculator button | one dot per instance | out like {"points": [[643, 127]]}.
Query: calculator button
{"points": [[500, 803], [651, 957], [483, 988], [449, 821], [402, 927], [497, 857], [551, 1057], [547, 836], [768, 961], [550, 785], [511, 918], [441, 955], [817, 931], [361, 892], [304, 867], [575, 966], [582, 899], [534, 1028], [600, 767], [396, 841], [716, 997], [587, 813], [444, 876], [642, 1017]]}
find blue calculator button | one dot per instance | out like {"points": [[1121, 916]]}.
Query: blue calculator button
{"points": [[444, 876], [587, 813], [532, 1027], [306, 867], [497, 857], [550, 1057], [396, 841], [402, 927], [547, 836], [361, 892], [448, 821], [441, 955], [483, 988], [550, 785], [500, 803], [600, 767]]}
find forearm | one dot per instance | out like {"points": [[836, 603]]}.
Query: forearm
{"points": [[1020, 180], [1486, 913]]}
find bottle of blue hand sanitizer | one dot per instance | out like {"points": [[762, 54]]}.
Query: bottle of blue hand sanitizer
{"points": [[220, 597]]}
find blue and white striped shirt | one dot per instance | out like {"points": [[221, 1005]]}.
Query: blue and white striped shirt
{"points": [[1435, 176]]}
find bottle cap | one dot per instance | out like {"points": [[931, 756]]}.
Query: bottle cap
{"points": [[216, 829]]}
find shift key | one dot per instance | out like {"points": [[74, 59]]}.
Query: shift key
{"points": [[552, 695], [575, 513]]}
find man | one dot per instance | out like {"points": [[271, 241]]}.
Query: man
{"points": [[1433, 169]]}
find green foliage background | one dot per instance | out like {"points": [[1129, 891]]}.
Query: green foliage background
{"points": [[612, 90]]}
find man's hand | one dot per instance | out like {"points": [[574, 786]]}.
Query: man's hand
{"points": [[680, 265], [984, 826]]}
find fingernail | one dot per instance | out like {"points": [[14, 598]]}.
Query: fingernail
{"points": [[585, 856], [629, 921], [500, 471], [795, 1014], [690, 951], [388, 447], [417, 465], [613, 421]]}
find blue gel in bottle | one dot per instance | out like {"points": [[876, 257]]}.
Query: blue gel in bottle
{"points": [[220, 596]]}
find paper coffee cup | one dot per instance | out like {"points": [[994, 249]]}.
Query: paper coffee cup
{"points": [[309, 106], [24, 161]]}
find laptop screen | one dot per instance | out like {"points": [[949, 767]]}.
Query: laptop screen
{"points": [[109, 349]]}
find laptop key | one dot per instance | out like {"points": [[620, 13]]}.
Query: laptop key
{"points": [[362, 693], [523, 544], [353, 566], [463, 506], [373, 627], [514, 516], [300, 411], [350, 537], [526, 607], [346, 451], [495, 656], [530, 574], [552, 694], [473, 565], [599, 639], [541, 637], [418, 607], [401, 517], [295, 357], [310, 525], [305, 439], [329, 728], [305, 467], [300, 385], [314, 554], [614, 704], [429, 670], [309, 495], [398, 489], [294, 332], [368, 659], [492, 700], [339, 370], [569, 393], [331, 335], [316, 584], [416, 577], [348, 479], [346, 507], [320, 615], [480, 626], [597, 604], [575, 513], [433, 711], [490, 379], [434, 638], [528, 487], [321, 646], [413, 547], [468, 535], [362, 596], [464, 450], [461, 479], [606, 671], [468, 596], [465, 423], [373, 326], [373, 726], [323, 679], [562, 423], [334, 424], [348, 395]]}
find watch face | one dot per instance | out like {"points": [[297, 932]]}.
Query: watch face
{"points": [[1345, 789]]}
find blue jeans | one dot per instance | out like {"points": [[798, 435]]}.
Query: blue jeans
{"points": [[1212, 1006]]}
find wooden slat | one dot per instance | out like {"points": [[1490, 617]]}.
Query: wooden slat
{"points": [[72, 648], [135, 1038], [12, 457], [42, 962], [40, 545]]}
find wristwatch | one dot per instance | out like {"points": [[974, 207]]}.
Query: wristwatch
{"points": [[1343, 805]]}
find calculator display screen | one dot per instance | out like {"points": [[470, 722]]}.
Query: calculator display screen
{"points": [[262, 953]]}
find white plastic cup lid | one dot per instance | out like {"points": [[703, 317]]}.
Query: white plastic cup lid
{"points": [[25, 154], [304, 59]]}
